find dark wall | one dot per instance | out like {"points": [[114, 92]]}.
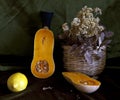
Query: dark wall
{"points": [[20, 19]]}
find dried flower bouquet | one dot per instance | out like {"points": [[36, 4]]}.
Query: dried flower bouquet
{"points": [[86, 37]]}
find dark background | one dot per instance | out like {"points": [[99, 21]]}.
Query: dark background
{"points": [[20, 19]]}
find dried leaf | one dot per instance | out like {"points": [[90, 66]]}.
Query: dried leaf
{"points": [[88, 57], [102, 35], [109, 34], [105, 42]]}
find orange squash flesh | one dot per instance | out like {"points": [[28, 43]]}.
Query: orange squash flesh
{"points": [[42, 65], [80, 78]]}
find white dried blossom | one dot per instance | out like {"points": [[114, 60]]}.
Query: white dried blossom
{"points": [[93, 24], [97, 19], [84, 8], [98, 11], [84, 32], [86, 21], [101, 28], [83, 26], [78, 34], [75, 22], [65, 27], [89, 15], [80, 29]]}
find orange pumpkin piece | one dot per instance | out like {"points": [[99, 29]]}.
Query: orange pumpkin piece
{"points": [[82, 82], [43, 65]]}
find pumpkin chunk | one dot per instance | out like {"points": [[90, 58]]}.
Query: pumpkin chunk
{"points": [[82, 82]]}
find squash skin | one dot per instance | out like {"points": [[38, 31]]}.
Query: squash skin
{"points": [[43, 52]]}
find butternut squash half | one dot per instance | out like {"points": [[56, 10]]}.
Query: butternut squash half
{"points": [[82, 82], [42, 65]]}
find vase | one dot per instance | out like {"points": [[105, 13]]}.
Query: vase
{"points": [[74, 63]]}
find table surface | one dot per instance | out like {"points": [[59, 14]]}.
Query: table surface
{"points": [[57, 88]]}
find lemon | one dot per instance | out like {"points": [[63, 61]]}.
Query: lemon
{"points": [[17, 82]]}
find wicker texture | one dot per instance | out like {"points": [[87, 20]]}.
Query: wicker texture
{"points": [[79, 64]]}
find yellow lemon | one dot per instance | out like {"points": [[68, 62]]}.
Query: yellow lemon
{"points": [[17, 82]]}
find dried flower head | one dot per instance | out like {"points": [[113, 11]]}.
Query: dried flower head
{"points": [[87, 22], [85, 25], [65, 27]]}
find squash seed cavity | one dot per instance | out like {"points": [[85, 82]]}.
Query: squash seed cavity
{"points": [[42, 66], [88, 82]]}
